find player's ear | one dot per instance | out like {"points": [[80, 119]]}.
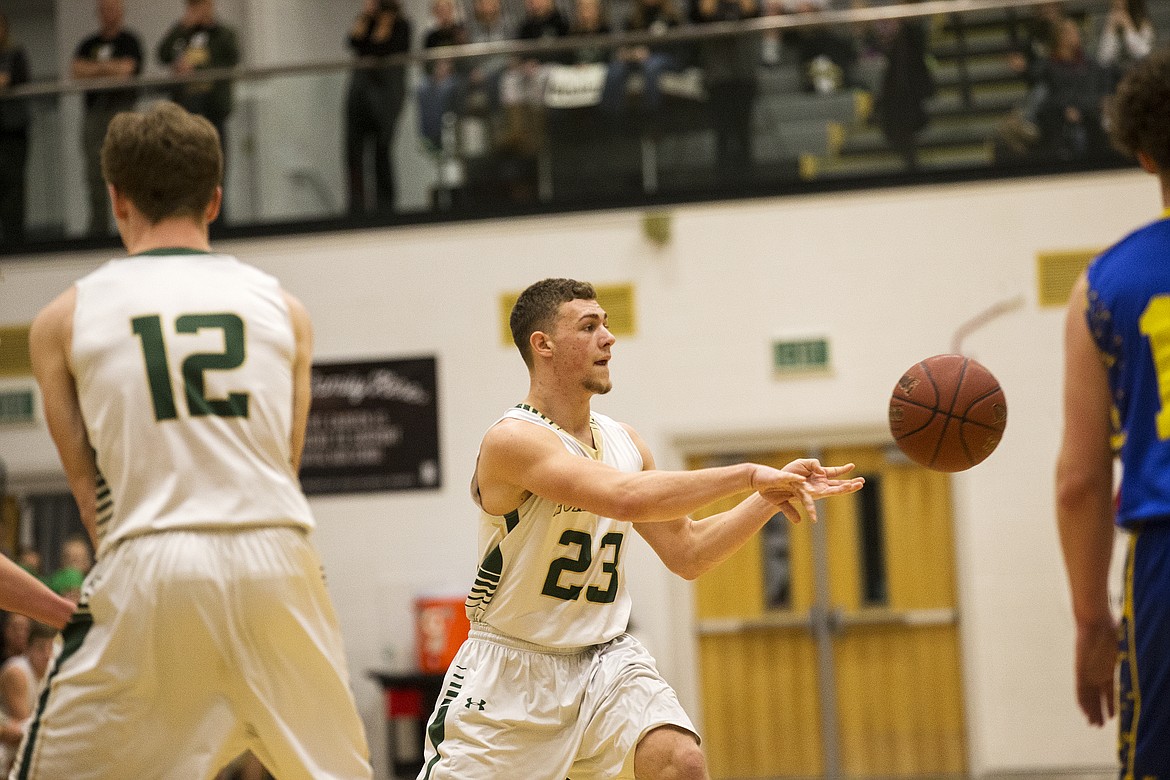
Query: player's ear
{"points": [[119, 203], [212, 210], [540, 342]]}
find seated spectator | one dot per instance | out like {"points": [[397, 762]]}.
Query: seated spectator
{"points": [[21, 677], [76, 561], [590, 21], [1035, 43], [30, 560], [729, 65], [1070, 90], [373, 104], [522, 92], [16, 630], [442, 82], [484, 73], [655, 17], [1128, 36], [827, 54], [14, 121]]}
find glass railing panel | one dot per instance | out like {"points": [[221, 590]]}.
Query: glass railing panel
{"points": [[778, 103]]}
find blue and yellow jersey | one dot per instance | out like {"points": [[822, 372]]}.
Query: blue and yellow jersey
{"points": [[1128, 314]]}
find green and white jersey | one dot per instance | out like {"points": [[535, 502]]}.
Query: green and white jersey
{"points": [[551, 574], [183, 363]]}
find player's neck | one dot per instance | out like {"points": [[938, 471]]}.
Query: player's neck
{"points": [[570, 413], [173, 233]]}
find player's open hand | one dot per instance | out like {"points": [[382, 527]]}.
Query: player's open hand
{"points": [[814, 482]]}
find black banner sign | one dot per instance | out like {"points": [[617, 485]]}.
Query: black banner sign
{"points": [[372, 426]]}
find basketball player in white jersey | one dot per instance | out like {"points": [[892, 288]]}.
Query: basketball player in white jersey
{"points": [[549, 685], [176, 388]]}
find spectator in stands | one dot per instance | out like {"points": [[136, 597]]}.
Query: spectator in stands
{"points": [[590, 21], [522, 97], [30, 560], [76, 561], [487, 26], [21, 677], [827, 54], [14, 121], [373, 104], [1036, 41], [16, 631], [1128, 36], [729, 65], [1071, 88], [441, 83], [113, 52], [199, 41], [654, 17], [906, 85]]}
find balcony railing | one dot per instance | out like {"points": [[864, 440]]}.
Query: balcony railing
{"points": [[777, 104]]}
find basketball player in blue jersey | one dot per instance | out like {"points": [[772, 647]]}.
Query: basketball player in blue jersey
{"points": [[1117, 403], [549, 685], [176, 388]]}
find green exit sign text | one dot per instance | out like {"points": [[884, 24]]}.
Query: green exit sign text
{"points": [[799, 355], [16, 406]]}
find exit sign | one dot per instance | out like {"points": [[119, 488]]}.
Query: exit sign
{"points": [[800, 355], [16, 406]]}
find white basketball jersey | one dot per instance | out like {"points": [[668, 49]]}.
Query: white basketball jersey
{"points": [[183, 363], [552, 574]]}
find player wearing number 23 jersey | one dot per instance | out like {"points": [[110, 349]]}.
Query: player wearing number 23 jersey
{"points": [[548, 684], [551, 574]]}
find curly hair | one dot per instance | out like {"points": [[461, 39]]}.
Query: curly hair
{"points": [[1139, 114], [536, 308]]}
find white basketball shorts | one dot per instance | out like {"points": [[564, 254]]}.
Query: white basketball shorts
{"points": [[510, 709], [191, 647]]}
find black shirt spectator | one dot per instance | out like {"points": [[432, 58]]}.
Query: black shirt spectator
{"points": [[113, 52], [14, 121]]}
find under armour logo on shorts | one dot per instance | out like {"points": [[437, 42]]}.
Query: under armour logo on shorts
{"points": [[473, 703]]}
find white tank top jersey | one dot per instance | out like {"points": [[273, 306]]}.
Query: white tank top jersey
{"points": [[552, 574], [183, 363]]}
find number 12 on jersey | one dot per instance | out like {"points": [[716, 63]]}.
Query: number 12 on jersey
{"points": [[158, 373]]}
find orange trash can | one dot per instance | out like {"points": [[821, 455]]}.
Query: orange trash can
{"points": [[441, 625]]}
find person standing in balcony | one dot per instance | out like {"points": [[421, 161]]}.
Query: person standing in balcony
{"points": [[113, 52]]}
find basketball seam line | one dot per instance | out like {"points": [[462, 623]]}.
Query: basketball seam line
{"points": [[936, 410]]}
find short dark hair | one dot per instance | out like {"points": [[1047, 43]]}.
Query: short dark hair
{"points": [[536, 308], [1139, 114], [166, 160]]}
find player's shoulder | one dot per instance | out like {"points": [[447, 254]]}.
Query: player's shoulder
{"points": [[1154, 236]]}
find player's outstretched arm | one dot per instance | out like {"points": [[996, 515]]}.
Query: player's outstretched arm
{"points": [[21, 592], [1084, 510], [690, 548], [50, 339], [518, 458]]}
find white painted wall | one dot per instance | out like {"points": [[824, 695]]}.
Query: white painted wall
{"points": [[887, 275]]}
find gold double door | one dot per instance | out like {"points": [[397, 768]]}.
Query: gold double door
{"points": [[831, 650]]}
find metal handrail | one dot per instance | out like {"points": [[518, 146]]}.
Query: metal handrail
{"points": [[684, 33]]}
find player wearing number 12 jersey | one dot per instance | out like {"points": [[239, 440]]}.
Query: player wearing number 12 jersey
{"points": [[176, 387], [549, 685], [1117, 402]]}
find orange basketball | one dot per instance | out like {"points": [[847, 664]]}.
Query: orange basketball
{"points": [[947, 413]]}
